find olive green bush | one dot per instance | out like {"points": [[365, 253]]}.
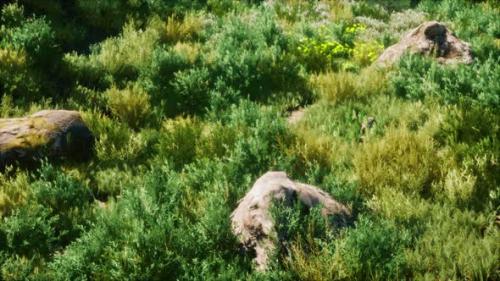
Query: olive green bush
{"points": [[131, 105]]}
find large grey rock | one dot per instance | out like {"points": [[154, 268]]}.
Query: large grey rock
{"points": [[252, 222], [431, 39], [48, 133]]}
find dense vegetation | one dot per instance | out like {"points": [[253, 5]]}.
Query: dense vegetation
{"points": [[189, 103]]}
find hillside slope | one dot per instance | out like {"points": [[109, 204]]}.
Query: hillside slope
{"points": [[190, 102]]}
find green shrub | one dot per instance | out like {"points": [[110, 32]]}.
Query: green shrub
{"points": [[376, 11], [186, 29], [112, 181], [249, 57], [323, 54], [472, 146], [187, 101], [116, 144], [375, 250], [365, 53], [477, 85], [12, 15], [452, 239], [157, 77], [13, 192], [217, 140], [192, 90], [401, 160], [330, 47], [261, 148], [297, 222], [16, 79], [178, 143], [30, 231], [19, 268], [36, 37]]}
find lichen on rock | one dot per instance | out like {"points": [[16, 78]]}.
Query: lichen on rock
{"points": [[48, 133]]}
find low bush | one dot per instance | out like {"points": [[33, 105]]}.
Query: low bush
{"points": [[56, 212], [400, 160], [116, 143], [337, 87], [178, 143], [453, 238], [13, 192], [253, 60], [375, 250], [16, 80], [420, 78], [186, 29], [131, 105]]}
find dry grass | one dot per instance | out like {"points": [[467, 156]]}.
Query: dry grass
{"points": [[183, 29], [132, 49], [336, 87], [401, 160]]}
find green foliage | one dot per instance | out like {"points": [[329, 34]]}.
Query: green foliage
{"points": [[250, 58], [13, 192], [298, 222], [331, 48], [156, 79], [178, 143], [379, 165], [188, 101], [374, 250], [16, 79], [462, 236], [55, 213], [27, 45], [130, 105], [12, 15], [477, 85], [338, 87]]}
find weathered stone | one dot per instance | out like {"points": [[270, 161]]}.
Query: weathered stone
{"points": [[295, 116], [252, 222], [431, 39], [48, 133]]}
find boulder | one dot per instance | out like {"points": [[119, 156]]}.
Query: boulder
{"points": [[431, 39], [252, 222], [48, 133]]}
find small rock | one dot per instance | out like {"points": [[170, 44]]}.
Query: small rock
{"points": [[295, 116], [48, 133], [431, 39], [252, 223]]}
